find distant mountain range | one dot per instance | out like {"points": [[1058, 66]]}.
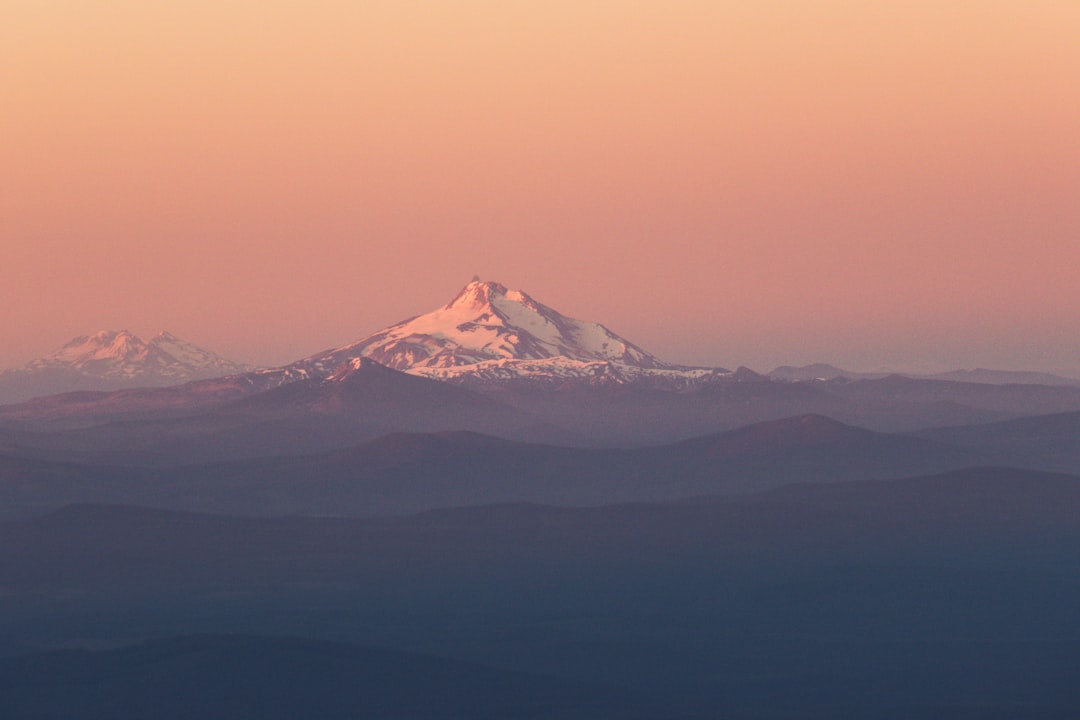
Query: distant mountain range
{"points": [[487, 337], [111, 360], [821, 372]]}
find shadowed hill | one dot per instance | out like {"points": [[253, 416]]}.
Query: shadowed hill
{"points": [[1050, 442]]}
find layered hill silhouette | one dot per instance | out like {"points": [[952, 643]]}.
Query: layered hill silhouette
{"points": [[263, 414], [114, 547], [403, 473], [946, 595]]}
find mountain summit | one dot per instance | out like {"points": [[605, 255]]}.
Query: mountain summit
{"points": [[490, 332], [112, 360], [121, 354]]}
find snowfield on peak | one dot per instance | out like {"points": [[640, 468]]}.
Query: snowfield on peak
{"points": [[489, 333], [553, 370]]}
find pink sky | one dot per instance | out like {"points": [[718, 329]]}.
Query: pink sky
{"points": [[754, 183]]}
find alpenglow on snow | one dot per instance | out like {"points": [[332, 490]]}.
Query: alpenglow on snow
{"points": [[489, 333]]}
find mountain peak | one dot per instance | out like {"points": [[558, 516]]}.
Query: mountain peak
{"points": [[102, 338], [113, 359], [101, 346], [488, 322], [478, 293]]}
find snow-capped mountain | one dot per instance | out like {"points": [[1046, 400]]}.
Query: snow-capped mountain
{"points": [[110, 360], [120, 354], [489, 333]]}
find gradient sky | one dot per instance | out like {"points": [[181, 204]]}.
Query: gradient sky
{"points": [[868, 183]]}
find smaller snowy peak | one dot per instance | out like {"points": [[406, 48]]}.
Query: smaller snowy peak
{"points": [[111, 347], [484, 322], [122, 355]]}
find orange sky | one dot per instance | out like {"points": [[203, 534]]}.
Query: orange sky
{"points": [[761, 182]]}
